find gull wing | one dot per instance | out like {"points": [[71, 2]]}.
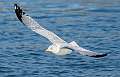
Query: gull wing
{"points": [[34, 26], [74, 46]]}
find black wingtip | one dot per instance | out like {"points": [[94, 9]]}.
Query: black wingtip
{"points": [[18, 12], [101, 55]]}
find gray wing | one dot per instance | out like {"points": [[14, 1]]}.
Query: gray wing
{"points": [[74, 46], [34, 26]]}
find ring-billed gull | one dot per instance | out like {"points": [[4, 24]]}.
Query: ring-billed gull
{"points": [[59, 46]]}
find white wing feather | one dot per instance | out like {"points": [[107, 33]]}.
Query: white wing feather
{"points": [[74, 46], [34, 26]]}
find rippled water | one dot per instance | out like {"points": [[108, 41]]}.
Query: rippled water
{"points": [[94, 24]]}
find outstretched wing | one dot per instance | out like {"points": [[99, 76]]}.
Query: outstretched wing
{"points": [[34, 26], [74, 46]]}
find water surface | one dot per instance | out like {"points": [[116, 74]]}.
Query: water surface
{"points": [[93, 24]]}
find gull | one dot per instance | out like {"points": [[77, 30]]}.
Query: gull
{"points": [[58, 46]]}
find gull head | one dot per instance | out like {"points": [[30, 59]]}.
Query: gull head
{"points": [[53, 48], [58, 49]]}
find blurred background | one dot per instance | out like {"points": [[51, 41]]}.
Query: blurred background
{"points": [[93, 24]]}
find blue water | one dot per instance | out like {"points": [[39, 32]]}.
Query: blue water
{"points": [[93, 24]]}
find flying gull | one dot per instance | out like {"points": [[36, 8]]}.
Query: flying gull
{"points": [[59, 46]]}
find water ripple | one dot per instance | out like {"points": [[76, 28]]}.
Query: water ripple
{"points": [[93, 24]]}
